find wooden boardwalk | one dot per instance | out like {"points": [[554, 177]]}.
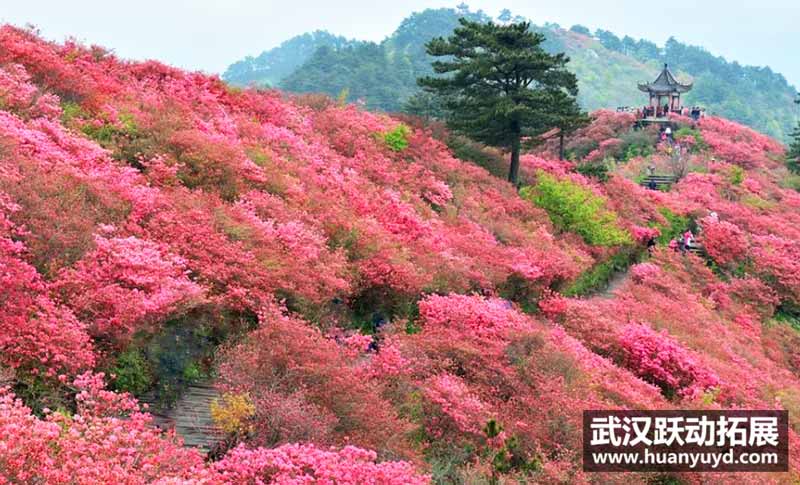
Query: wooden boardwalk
{"points": [[190, 416]]}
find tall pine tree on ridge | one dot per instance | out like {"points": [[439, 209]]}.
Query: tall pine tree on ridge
{"points": [[498, 85]]}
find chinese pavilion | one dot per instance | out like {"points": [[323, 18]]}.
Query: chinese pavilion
{"points": [[665, 94]]}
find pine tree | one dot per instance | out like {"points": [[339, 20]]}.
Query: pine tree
{"points": [[498, 84], [423, 105], [793, 156], [567, 117]]}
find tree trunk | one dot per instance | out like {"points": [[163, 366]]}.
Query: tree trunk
{"points": [[513, 169], [561, 145]]}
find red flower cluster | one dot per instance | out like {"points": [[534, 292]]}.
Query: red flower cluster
{"points": [[658, 359]]}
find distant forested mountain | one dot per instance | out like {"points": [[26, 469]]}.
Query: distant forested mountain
{"points": [[271, 66], [383, 75]]}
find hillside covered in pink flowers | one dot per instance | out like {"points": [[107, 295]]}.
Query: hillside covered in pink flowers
{"points": [[372, 309]]}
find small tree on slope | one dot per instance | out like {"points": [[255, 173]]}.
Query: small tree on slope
{"points": [[499, 84], [793, 156]]}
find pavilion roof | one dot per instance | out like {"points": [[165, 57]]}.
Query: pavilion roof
{"points": [[665, 83]]}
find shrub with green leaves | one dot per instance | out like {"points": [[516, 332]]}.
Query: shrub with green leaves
{"points": [[736, 175], [595, 170], [637, 143], [577, 209], [674, 227], [397, 139], [132, 372]]}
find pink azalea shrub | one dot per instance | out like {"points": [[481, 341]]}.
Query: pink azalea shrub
{"points": [[553, 305], [492, 317], [306, 389], [775, 259], [646, 273], [456, 403], [737, 144], [107, 441], [657, 358], [127, 285], [309, 464], [644, 234], [36, 334], [724, 242]]}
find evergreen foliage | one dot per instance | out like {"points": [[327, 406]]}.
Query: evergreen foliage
{"points": [[384, 75], [793, 156], [500, 85], [272, 66]]}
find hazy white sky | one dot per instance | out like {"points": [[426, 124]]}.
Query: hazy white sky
{"points": [[210, 34]]}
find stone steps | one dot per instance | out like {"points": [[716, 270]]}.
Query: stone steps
{"points": [[190, 416]]}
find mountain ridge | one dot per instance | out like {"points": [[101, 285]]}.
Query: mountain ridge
{"points": [[383, 74]]}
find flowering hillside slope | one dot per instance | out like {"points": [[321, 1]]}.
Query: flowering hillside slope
{"points": [[375, 310]]}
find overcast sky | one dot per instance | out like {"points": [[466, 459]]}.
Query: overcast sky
{"points": [[208, 35]]}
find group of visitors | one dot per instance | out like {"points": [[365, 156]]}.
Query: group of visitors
{"points": [[687, 240], [695, 112]]}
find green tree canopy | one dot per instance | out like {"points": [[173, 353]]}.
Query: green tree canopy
{"points": [[793, 155], [566, 115], [497, 83]]}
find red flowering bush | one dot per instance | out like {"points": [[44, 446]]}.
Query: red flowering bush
{"points": [[646, 273], [305, 388], [737, 144], [388, 362], [36, 334], [724, 242], [483, 317], [643, 234], [606, 125], [453, 398], [776, 259], [18, 94], [606, 148], [127, 285], [657, 358], [95, 445], [309, 464], [553, 305]]}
